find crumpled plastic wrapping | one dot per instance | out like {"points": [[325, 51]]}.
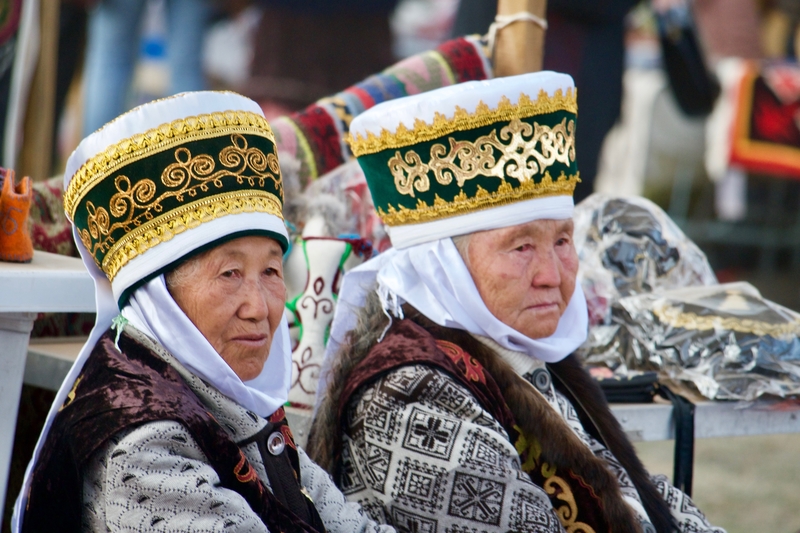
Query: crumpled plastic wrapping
{"points": [[726, 340], [630, 246], [654, 304]]}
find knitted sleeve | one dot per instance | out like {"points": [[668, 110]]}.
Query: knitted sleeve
{"points": [[338, 515], [156, 478], [421, 454]]}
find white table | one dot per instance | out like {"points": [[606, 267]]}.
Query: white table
{"points": [[49, 283]]}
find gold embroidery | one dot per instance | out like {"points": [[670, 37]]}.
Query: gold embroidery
{"points": [[166, 226], [483, 199], [568, 513], [71, 396], [156, 140], [677, 319], [186, 176], [463, 120], [530, 447], [520, 159]]}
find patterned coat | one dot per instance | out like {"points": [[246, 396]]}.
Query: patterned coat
{"points": [[154, 464], [427, 446]]}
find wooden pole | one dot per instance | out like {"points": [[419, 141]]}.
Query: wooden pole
{"points": [[519, 47], [36, 158]]}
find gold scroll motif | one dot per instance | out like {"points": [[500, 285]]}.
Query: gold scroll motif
{"points": [[137, 205], [483, 199], [166, 226], [567, 513], [674, 317], [463, 120], [516, 143], [158, 139]]}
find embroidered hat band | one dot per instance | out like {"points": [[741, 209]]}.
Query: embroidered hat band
{"points": [[468, 148], [143, 189]]}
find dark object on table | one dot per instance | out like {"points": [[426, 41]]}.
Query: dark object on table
{"points": [[642, 388]]}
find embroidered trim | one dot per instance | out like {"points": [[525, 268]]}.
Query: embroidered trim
{"points": [[156, 140], [462, 204], [134, 202], [191, 215], [463, 120], [677, 319], [519, 160], [568, 513]]}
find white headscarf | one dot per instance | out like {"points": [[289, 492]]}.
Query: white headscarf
{"points": [[151, 308], [433, 278]]}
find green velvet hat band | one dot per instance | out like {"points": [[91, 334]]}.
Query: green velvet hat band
{"points": [[152, 198], [470, 170]]}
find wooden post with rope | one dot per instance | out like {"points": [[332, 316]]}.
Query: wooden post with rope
{"points": [[519, 41]]}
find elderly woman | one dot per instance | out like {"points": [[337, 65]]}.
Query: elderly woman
{"points": [[172, 418], [452, 400]]}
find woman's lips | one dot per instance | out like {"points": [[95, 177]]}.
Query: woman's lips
{"points": [[543, 306], [252, 340]]}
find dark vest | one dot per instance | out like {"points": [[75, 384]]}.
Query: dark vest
{"points": [[121, 389]]}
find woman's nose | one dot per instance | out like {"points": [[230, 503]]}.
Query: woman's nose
{"points": [[255, 304], [548, 271]]}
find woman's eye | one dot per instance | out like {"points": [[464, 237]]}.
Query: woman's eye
{"points": [[272, 272], [229, 274], [522, 248]]}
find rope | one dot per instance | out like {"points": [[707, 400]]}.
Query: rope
{"points": [[501, 21]]}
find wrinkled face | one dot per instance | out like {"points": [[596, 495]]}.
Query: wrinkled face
{"points": [[525, 274], [235, 296]]}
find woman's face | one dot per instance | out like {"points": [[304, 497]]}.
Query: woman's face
{"points": [[525, 274], [235, 297]]}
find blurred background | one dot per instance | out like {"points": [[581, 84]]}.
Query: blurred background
{"points": [[694, 104]]}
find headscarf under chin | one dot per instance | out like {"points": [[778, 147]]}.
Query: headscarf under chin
{"points": [[433, 278], [152, 310]]}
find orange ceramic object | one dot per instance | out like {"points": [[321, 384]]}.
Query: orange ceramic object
{"points": [[15, 235]]}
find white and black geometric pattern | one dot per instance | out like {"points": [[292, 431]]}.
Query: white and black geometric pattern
{"points": [[435, 460], [482, 454], [688, 516], [530, 512], [431, 434], [419, 485], [407, 522], [405, 380], [477, 498], [381, 418], [376, 465], [350, 481], [375, 510], [452, 399]]}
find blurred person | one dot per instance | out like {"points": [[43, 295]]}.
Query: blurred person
{"points": [[306, 50], [113, 45], [171, 418]]}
